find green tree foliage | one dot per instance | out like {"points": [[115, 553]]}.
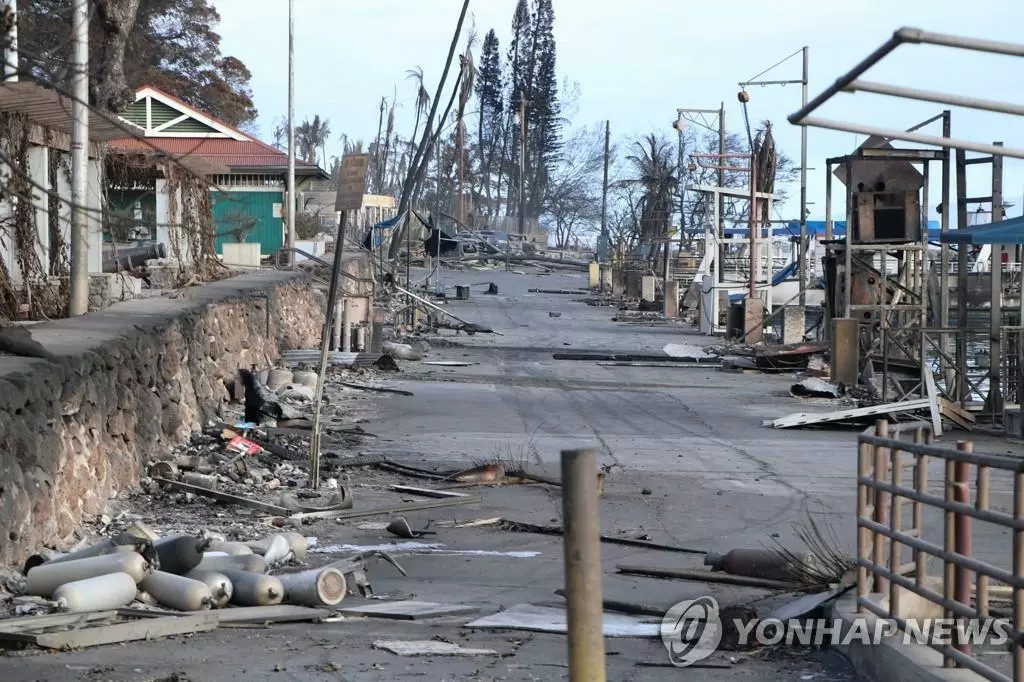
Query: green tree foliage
{"points": [[170, 44]]}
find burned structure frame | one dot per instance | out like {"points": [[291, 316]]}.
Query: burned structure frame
{"points": [[908, 327]]}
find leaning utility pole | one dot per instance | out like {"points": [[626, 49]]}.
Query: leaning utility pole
{"points": [[78, 303], [290, 215], [604, 190]]}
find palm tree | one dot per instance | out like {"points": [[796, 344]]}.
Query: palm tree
{"points": [[311, 137], [654, 171]]}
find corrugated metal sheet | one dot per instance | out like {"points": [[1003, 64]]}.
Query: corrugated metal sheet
{"points": [[49, 108]]}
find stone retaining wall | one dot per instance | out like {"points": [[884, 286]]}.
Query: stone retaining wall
{"points": [[132, 381]]}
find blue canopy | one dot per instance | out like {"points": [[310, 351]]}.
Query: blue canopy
{"points": [[1009, 231]]}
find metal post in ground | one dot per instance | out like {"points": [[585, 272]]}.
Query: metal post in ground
{"points": [[325, 340], [585, 615], [964, 542]]}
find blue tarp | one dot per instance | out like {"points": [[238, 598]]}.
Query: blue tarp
{"points": [[1009, 231]]}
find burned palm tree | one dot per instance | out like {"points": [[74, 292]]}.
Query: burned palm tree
{"points": [[654, 172], [766, 160]]}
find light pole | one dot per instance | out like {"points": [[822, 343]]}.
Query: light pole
{"points": [[290, 215], [802, 251]]}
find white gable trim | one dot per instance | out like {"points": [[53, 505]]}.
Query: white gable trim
{"points": [[187, 112], [165, 126]]}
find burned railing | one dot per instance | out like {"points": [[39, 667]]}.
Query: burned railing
{"points": [[885, 459]]}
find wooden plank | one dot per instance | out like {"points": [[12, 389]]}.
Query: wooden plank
{"points": [[277, 613], [425, 492], [805, 418], [24, 623], [933, 401], [407, 610], [129, 631]]}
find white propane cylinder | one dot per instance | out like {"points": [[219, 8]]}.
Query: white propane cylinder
{"points": [[178, 592], [316, 587], [42, 580], [219, 584], [254, 589], [299, 544], [253, 563], [230, 547], [110, 591]]}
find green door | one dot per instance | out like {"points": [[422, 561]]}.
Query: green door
{"points": [[249, 215]]}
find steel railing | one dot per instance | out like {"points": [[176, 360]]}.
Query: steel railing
{"points": [[887, 459]]}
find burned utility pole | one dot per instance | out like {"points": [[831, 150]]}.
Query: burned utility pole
{"points": [[605, 244]]}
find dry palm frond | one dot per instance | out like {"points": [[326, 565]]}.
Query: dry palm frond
{"points": [[828, 564]]}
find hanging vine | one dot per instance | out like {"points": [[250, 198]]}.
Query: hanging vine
{"points": [[33, 286], [190, 228]]}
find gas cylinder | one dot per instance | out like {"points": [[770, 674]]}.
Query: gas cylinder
{"points": [[178, 592], [254, 589], [219, 584], [42, 580], [253, 563], [110, 591], [229, 547], [179, 554], [316, 587], [759, 563]]}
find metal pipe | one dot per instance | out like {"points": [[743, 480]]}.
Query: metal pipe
{"points": [[582, 545], [963, 388], [522, 178], [962, 533], [802, 251], [799, 118], [604, 188], [916, 35], [753, 227], [78, 303], [290, 214], [1018, 569], [937, 97], [332, 301], [944, 248], [895, 134]]}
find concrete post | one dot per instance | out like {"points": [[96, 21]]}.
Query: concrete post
{"points": [[618, 281], [753, 320], [845, 351], [606, 277], [594, 275], [672, 300], [794, 319], [647, 288]]}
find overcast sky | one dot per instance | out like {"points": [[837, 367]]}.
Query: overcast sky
{"points": [[636, 62]]}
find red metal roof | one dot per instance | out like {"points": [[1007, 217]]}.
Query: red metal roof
{"points": [[235, 154]]}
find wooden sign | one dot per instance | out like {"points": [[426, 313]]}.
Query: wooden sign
{"points": [[352, 182]]}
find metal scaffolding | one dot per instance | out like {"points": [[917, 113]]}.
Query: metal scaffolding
{"points": [[902, 316]]}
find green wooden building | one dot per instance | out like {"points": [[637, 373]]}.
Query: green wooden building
{"points": [[248, 177]]}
